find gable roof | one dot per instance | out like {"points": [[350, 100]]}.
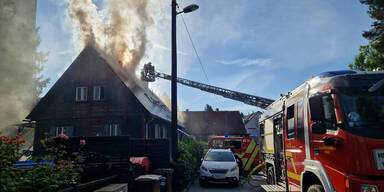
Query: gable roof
{"points": [[213, 122], [145, 96], [252, 115]]}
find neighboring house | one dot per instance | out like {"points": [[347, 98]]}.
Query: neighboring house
{"points": [[251, 123], [96, 96], [203, 124]]}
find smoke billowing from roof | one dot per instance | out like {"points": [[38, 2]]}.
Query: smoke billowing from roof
{"points": [[121, 33]]}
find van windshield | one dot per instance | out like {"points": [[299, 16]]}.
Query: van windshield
{"points": [[219, 156], [363, 111]]}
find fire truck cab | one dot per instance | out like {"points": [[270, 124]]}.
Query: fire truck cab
{"points": [[327, 134], [244, 147]]}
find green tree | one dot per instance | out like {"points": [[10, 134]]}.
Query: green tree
{"points": [[371, 56], [208, 108], [368, 59], [376, 33]]}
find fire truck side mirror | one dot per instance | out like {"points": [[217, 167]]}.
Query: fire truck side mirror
{"points": [[318, 128], [316, 108]]}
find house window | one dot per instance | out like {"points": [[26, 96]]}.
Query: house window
{"points": [[81, 93], [157, 132], [61, 130], [164, 132], [147, 131], [112, 129], [66, 130], [98, 93]]}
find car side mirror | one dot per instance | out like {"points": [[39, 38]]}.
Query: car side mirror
{"points": [[318, 128], [316, 108]]}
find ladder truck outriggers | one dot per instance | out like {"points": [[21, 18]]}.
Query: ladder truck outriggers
{"points": [[327, 134]]}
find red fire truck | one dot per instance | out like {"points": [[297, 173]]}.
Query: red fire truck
{"points": [[244, 147], [327, 134]]}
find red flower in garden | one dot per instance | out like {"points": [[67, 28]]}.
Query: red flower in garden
{"points": [[6, 139], [63, 136], [21, 140], [82, 142], [18, 136]]}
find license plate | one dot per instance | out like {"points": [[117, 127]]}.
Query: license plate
{"points": [[218, 176], [379, 158]]}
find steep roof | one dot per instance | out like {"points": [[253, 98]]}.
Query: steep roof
{"points": [[213, 122], [145, 96]]}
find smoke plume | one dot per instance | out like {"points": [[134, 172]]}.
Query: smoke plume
{"points": [[121, 32], [167, 101], [20, 63]]}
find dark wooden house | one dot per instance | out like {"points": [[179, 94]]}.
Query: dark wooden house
{"points": [[96, 96]]}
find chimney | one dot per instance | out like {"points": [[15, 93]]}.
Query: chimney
{"points": [[187, 110], [217, 109]]}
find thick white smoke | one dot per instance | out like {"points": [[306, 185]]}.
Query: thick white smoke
{"points": [[20, 63], [120, 30]]}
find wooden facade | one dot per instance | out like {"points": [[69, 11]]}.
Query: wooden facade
{"points": [[96, 97]]}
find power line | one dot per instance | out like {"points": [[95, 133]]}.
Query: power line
{"points": [[194, 48], [197, 55]]}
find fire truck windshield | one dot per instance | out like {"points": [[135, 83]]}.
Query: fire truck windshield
{"points": [[363, 111]]}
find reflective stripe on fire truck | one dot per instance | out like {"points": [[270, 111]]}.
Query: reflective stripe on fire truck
{"points": [[252, 159], [294, 175], [248, 157]]}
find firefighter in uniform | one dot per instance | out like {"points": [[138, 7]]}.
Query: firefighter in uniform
{"points": [[238, 160]]}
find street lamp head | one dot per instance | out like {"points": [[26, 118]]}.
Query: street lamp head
{"points": [[190, 8]]}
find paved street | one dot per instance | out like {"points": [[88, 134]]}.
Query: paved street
{"points": [[224, 187]]}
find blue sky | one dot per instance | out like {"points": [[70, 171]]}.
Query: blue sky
{"points": [[260, 47]]}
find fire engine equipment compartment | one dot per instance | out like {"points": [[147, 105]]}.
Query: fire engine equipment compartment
{"points": [[332, 136]]}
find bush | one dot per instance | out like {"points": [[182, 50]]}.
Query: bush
{"points": [[43, 176], [187, 162]]}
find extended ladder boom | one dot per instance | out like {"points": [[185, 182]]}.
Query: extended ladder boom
{"points": [[149, 74]]}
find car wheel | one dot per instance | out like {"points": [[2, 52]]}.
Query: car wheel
{"points": [[270, 176], [202, 183], [235, 184], [315, 188]]}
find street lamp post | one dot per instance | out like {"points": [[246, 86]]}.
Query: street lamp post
{"points": [[174, 124]]}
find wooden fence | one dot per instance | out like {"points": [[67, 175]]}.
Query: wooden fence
{"points": [[106, 156]]}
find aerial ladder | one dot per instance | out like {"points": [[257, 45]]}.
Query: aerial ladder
{"points": [[149, 74]]}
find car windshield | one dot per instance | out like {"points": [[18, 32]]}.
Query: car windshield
{"points": [[363, 111], [219, 156]]}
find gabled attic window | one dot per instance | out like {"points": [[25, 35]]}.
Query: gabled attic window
{"points": [[81, 93], [98, 93]]}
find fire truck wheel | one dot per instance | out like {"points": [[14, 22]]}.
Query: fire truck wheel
{"points": [[270, 176], [315, 188]]}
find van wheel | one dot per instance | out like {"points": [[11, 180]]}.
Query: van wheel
{"points": [[315, 188], [270, 176]]}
